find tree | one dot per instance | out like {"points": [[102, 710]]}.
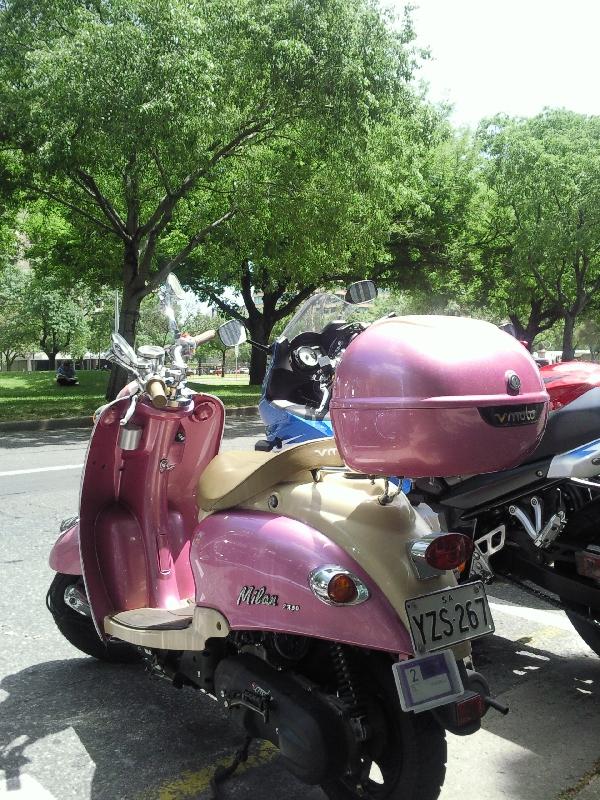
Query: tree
{"points": [[324, 220], [16, 337], [431, 236], [131, 113], [58, 319], [545, 176]]}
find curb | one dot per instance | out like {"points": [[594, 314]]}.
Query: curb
{"points": [[589, 792], [62, 423]]}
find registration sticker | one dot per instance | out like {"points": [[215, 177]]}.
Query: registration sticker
{"points": [[428, 681]]}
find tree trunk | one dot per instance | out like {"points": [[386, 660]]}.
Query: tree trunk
{"points": [[539, 320], [223, 363], [260, 331], [133, 293], [52, 360], [568, 346]]}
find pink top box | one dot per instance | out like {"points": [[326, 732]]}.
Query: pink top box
{"points": [[423, 396]]}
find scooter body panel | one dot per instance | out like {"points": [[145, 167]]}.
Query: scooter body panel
{"points": [[254, 567], [138, 508], [375, 536]]}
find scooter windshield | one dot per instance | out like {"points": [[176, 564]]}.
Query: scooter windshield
{"points": [[317, 312]]}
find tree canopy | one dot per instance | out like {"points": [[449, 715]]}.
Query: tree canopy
{"points": [[544, 175], [135, 114], [309, 216]]}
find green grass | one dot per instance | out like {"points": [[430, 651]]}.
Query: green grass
{"points": [[36, 395], [233, 393]]}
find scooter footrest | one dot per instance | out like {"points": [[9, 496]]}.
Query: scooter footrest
{"points": [[156, 618], [185, 628]]}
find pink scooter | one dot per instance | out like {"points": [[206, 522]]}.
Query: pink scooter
{"points": [[312, 602]]}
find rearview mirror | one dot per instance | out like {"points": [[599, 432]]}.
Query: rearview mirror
{"points": [[361, 292], [175, 286], [232, 333]]}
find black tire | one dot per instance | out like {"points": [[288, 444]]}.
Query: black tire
{"points": [[411, 750], [79, 630], [589, 632], [584, 529]]}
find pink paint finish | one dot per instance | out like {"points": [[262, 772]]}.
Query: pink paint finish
{"points": [[64, 556], [408, 393], [244, 548], [138, 509]]}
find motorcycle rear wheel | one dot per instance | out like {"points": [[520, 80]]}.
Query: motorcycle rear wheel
{"points": [[408, 755], [583, 528], [79, 630], [589, 632]]}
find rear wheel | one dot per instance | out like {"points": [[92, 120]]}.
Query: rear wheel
{"points": [[589, 631], [584, 529], [405, 758], [66, 593]]}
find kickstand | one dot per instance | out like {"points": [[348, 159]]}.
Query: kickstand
{"points": [[222, 773]]}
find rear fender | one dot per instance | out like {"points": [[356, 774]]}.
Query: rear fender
{"points": [[64, 556], [234, 551]]}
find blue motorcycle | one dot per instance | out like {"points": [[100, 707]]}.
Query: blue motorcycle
{"points": [[294, 405]]}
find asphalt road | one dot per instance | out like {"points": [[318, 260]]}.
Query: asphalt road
{"points": [[73, 728]]}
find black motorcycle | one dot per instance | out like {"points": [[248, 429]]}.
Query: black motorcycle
{"points": [[538, 524]]}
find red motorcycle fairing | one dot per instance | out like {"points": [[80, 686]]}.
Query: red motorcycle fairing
{"points": [[568, 380], [254, 567], [138, 507]]}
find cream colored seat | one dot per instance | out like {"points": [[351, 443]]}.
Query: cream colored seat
{"points": [[232, 478]]}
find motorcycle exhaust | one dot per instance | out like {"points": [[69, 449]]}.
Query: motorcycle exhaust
{"points": [[308, 731]]}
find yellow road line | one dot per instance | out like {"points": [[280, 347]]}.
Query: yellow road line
{"points": [[191, 784]]}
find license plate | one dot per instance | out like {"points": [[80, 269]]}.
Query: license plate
{"points": [[428, 681], [444, 618]]}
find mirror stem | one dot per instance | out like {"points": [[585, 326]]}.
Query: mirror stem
{"points": [[265, 348]]}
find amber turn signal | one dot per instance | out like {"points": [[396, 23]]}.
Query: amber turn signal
{"points": [[342, 589]]}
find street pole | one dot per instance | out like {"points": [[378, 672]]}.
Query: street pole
{"points": [[116, 311]]}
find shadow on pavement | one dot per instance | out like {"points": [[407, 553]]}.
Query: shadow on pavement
{"points": [[554, 718], [137, 732], [142, 735], [145, 739]]}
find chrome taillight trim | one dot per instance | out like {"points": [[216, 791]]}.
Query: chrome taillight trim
{"points": [[416, 551], [319, 579]]}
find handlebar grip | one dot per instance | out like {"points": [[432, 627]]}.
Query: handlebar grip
{"points": [[156, 390], [204, 337]]}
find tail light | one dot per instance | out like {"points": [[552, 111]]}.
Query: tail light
{"points": [[439, 552], [470, 710], [449, 551]]}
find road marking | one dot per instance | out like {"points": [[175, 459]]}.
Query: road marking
{"points": [[190, 784], [11, 472], [24, 787], [554, 619]]}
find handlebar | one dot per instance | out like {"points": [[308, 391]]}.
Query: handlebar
{"points": [[203, 337], [156, 390]]}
